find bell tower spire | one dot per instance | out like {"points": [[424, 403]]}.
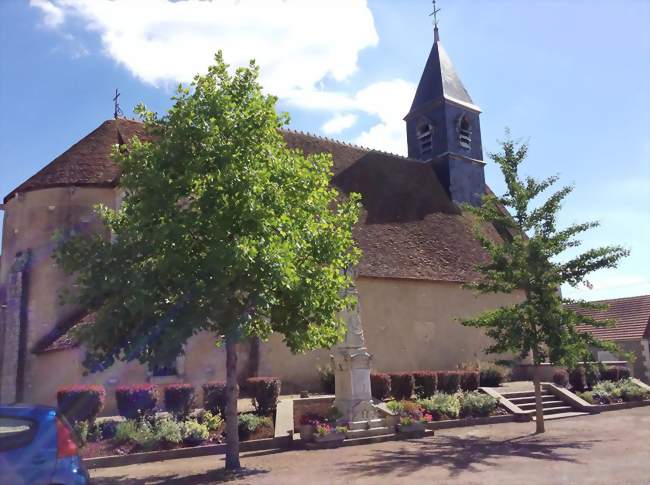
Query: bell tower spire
{"points": [[443, 128]]}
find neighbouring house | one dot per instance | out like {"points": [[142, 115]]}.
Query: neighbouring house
{"points": [[418, 251], [631, 330]]}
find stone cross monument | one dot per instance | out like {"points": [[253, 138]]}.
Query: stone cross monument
{"points": [[351, 361]]}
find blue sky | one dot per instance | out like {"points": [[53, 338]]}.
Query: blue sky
{"points": [[571, 76]]}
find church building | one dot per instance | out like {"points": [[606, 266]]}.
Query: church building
{"points": [[418, 251]]}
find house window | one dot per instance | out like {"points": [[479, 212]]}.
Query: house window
{"points": [[425, 138], [464, 133]]}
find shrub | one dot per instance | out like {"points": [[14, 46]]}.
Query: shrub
{"points": [[140, 433], [125, 432], [606, 391], [587, 396], [106, 428], [379, 385], [426, 383], [264, 392], [578, 379], [448, 381], [561, 377], [81, 430], [194, 433], [214, 397], [477, 404], [248, 424], [493, 375], [469, 380], [592, 375], [179, 398], [631, 392], [81, 403], [134, 402], [402, 385], [441, 406], [168, 432], [327, 379], [213, 422], [613, 373], [395, 406]]}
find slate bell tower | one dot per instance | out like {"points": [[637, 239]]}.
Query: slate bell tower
{"points": [[443, 128]]}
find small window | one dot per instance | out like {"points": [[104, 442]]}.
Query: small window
{"points": [[425, 138], [464, 133], [164, 370], [16, 432]]}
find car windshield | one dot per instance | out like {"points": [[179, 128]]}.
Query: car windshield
{"points": [[15, 432]]}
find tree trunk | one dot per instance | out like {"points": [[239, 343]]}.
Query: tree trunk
{"points": [[232, 392], [539, 411]]}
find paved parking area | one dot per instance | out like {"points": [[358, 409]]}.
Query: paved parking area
{"points": [[612, 447]]}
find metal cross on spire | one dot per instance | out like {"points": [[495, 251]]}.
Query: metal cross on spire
{"points": [[118, 111], [435, 21]]}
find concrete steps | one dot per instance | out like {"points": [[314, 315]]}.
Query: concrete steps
{"points": [[367, 433], [554, 407]]}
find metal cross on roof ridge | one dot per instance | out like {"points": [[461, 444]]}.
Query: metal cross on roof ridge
{"points": [[117, 110]]}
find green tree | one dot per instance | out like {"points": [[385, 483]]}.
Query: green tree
{"points": [[222, 228], [529, 259]]}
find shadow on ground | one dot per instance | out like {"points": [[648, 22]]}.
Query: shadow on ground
{"points": [[213, 476], [460, 454]]}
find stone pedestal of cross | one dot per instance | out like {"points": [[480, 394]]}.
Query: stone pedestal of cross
{"points": [[351, 361]]}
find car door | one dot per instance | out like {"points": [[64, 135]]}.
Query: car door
{"points": [[26, 452]]}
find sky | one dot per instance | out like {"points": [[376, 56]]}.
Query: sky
{"points": [[572, 77]]}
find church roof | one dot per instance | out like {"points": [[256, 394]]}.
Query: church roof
{"points": [[409, 226], [631, 316], [440, 81]]}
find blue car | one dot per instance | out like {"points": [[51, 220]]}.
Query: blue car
{"points": [[38, 446]]}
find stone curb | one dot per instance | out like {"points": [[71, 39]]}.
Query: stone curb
{"points": [[149, 456], [621, 405], [465, 422]]}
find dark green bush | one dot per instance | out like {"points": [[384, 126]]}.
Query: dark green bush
{"points": [[214, 397], [179, 399], [426, 383], [264, 392], [614, 373], [578, 379], [469, 380], [448, 381], [134, 402], [477, 405], [561, 377], [81, 403], [492, 375], [402, 385], [379, 385], [327, 379]]}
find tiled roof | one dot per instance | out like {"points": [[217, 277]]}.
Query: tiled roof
{"points": [[632, 317], [87, 162]]}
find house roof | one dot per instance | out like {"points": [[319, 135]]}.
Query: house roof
{"points": [[632, 317], [409, 228]]}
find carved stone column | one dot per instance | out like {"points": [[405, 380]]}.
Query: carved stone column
{"points": [[351, 362]]}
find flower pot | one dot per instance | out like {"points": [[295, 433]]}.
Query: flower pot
{"points": [[416, 427], [307, 432], [330, 437]]}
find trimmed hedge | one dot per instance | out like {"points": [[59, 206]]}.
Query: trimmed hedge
{"points": [[469, 380], [493, 375], [133, 402], [81, 403], [379, 385], [402, 385], [426, 383], [214, 397], [448, 381], [613, 373], [561, 377], [578, 379], [264, 392], [179, 398]]}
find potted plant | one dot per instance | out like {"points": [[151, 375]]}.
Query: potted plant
{"points": [[308, 423], [326, 433], [412, 418]]}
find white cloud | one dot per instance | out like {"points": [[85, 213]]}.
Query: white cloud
{"points": [[53, 16], [297, 43], [339, 123]]}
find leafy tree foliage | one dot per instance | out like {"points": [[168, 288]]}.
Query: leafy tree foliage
{"points": [[529, 260], [222, 229]]}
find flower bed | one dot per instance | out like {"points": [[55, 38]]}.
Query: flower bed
{"points": [[610, 393]]}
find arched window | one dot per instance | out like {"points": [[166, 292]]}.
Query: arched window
{"points": [[464, 133], [425, 137]]}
